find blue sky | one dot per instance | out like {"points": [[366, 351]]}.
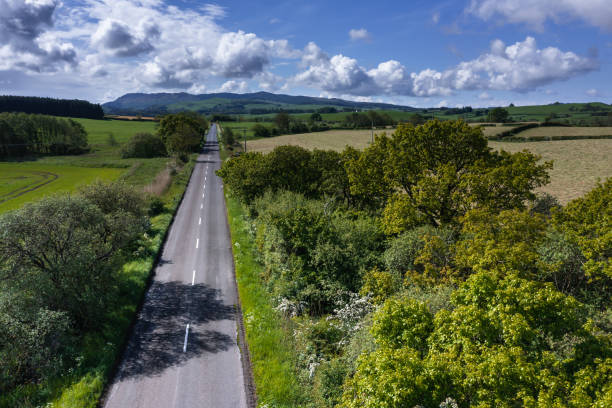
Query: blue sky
{"points": [[418, 53]]}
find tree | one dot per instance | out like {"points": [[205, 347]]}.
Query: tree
{"points": [[227, 137], [260, 130], [503, 344], [282, 121], [316, 117], [144, 145], [67, 249], [498, 115], [434, 173], [587, 222], [182, 132]]}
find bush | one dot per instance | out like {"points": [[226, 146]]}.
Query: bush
{"points": [[260, 130], [144, 145]]}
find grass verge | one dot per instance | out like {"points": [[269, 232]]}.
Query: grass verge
{"points": [[98, 352], [268, 334]]}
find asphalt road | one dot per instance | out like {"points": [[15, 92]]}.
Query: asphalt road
{"points": [[183, 351]]}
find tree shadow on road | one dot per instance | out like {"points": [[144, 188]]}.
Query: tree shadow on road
{"points": [[158, 336]]}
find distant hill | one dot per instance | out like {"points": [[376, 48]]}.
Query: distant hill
{"points": [[232, 103]]}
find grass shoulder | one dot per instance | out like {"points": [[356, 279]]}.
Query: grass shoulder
{"points": [[268, 333]]}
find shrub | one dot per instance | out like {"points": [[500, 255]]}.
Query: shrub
{"points": [[144, 145], [260, 130]]}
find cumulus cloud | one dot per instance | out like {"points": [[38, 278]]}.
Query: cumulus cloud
{"points": [[537, 12], [25, 43], [338, 74], [234, 86], [120, 40], [360, 34], [518, 67]]}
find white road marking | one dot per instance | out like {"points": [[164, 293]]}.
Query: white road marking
{"points": [[202, 195], [193, 278], [200, 221], [201, 206], [186, 335], [197, 242]]}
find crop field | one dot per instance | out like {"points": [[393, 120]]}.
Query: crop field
{"points": [[29, 181], [577, 163], [566, 131]]}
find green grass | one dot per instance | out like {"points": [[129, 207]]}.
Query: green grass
{"points": [[270, 342], [237, 126], [102, 162], [99, 130], [15, 178]]}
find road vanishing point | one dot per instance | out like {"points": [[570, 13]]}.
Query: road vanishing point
{"points": [[183, 350]]}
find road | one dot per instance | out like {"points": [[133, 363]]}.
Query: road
{"points": [[183, 351]]}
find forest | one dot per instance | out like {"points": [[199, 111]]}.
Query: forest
{"points": [[50, 106], [23, 134], [425, 271]]}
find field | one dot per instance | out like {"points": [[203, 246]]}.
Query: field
{"points": [[23, 181], [99, 130], [28, 181], [566, 131], [577, 163], [238, 126]]}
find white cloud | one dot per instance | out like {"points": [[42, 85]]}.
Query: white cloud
{"points": [[536, 12], [442, 103], [25, 45], [119, 39], [518, 67], [360, 34], [435, 17], [484, 96], [234, 86], [593, 92], [214, 10]]}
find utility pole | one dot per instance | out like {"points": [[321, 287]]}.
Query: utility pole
{"points": [[372, 131]]}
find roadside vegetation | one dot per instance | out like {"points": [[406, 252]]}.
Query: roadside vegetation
{"points": [[75, 258], [425, 271]]}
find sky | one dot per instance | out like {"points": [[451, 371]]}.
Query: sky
{"points": [[417, 53]]}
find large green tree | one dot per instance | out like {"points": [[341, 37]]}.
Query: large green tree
{"points": [[434, 173], [505, 343], [182, 132]]}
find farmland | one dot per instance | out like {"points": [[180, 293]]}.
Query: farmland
{"points": [[577, 163], [23, 181], [550, 131]]}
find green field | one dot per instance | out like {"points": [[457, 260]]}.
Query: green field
{"points": [[99, 130], [23, 181], [29, 181], [238, 126]]}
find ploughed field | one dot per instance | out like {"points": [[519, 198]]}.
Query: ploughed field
{"points": [[577, 163]]}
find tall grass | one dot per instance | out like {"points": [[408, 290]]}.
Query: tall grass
{"points": [[268, 335]]}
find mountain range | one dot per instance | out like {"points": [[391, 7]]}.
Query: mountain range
{"points": [[233, 103]]}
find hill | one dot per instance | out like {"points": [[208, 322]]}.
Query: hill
{"points": [[232, 103]]}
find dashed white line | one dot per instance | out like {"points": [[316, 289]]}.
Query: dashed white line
{"points": [[202, 195], [201, 206], [193, 278], [197, 242], [200, 221], [186, 335]]}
